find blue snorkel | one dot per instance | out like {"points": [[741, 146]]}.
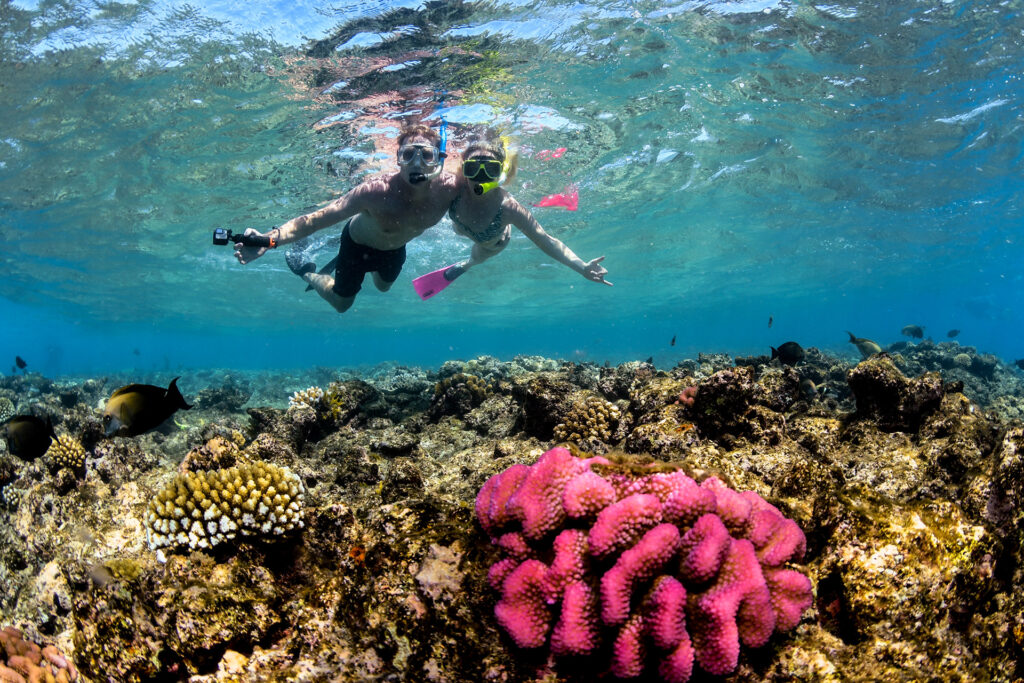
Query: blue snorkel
{"points": [[443, 130], [442, 153]]}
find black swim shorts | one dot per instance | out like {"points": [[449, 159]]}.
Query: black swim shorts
{"points": [[356, 260]]}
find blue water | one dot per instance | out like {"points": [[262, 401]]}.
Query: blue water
{"points": [[835, 167]]}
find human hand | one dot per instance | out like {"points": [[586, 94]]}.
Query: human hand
{"points": [[595, 272], [246, 254]]}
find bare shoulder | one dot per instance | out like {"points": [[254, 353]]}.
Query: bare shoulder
{"points": [[447, 184], [372, 191]]}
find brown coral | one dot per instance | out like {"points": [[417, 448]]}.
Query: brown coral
{"points": [[591, 420], [203, 509], [67, 452], [22, 660]]}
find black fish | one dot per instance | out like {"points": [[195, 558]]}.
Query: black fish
{"points": [[770, 322], [20, 362], [27, 436], [673, 342], [952, 333], [1019, 363], [138, 408], [789, 353], [650, 361], [915, 331]]}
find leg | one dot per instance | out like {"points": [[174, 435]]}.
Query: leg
{"points": [[382, 284], [324, 286], [479, 254]]}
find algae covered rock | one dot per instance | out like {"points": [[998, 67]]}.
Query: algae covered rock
{"points": [[897, 403]]}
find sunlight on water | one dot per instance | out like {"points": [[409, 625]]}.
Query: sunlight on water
{"points": [[835, 165]]}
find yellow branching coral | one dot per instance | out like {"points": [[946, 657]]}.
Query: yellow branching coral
{"points": [[67, 452], [592, 418], [312, 397], [202, 509]]}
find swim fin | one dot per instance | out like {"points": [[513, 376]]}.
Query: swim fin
{"points": [[430, 284], [326, 270]]}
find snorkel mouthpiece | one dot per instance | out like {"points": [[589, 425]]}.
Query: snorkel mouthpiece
{"points": [[415, 178], [484, 188]]}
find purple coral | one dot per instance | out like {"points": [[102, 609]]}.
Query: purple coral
{"points": [[670, 571]]}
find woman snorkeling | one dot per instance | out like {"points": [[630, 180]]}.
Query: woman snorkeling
{"points": [[485, 212]]}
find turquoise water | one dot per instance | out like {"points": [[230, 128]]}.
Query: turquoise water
{"points": [[831, 166]]}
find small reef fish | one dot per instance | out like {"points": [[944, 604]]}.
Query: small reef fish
{"points": [[866, 347], [1019, 363], [914, 331], [673, 342], [789, 353], [28, 436], [20, 362], [952, 333], [770, 321], [138, 408], [808, 388]]}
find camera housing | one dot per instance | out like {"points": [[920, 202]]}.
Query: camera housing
{"points": [[222, 236]]}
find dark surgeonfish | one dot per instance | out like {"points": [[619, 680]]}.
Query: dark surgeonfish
{"points": [[28, 436], [866, 347], [952, 333], [789, 353], [20, 362], [138, 408], [915, 331], [1019, 363]]}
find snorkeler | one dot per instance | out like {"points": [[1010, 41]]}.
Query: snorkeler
{"points": [[384, 213], [484, 212]]}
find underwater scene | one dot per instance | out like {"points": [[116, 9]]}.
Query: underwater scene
{"points": [[511, 341]]}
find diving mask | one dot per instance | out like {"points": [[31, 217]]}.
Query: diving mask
{"points": [[429, 155], [487, 173]]}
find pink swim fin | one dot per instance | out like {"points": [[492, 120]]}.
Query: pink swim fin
{"points": [[430, 284]]}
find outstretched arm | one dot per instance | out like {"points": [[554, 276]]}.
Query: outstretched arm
{"points": [[521, 217], [303, 226]]}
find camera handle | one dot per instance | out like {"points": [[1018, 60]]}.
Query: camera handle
{"points": [[221, 236]]}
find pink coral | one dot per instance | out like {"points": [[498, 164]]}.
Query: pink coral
{"points": [[522, 611], [674, 572], [577, 630]]}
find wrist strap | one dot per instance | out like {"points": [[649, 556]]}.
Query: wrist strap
{"points": [[273, 240]]}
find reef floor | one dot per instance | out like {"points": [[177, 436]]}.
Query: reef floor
{"points": [[905, 472]]}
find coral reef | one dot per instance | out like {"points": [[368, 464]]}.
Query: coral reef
{"points": [[907, 490], [203, 509], [679, 571]]}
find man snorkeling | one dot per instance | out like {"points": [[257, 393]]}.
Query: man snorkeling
{"points": [[384, 213]]}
